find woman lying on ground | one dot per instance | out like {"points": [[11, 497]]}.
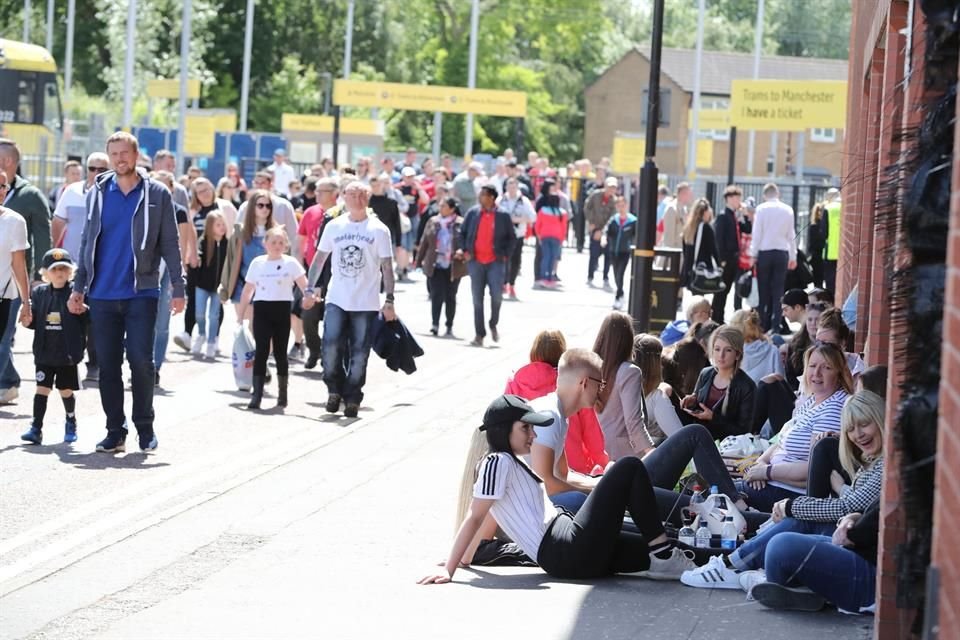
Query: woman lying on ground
{"points": [[588, 545], [781, 471], [797, 550]]}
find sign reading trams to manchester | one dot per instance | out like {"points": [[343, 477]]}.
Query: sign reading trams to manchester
{"points": [[788, 105], [421, 97]]}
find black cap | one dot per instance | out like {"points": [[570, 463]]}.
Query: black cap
{"points": [[507, 409], [57, 258]]}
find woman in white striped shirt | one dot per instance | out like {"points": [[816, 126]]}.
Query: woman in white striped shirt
{"points": [[781, 472], [588, 545]]}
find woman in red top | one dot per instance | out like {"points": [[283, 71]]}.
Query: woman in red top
{"points": [[584, 445], [551, 229]]}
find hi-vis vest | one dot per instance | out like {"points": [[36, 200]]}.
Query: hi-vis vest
{"points": [[833, 230]]}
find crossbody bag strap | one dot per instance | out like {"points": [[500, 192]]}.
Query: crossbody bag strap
{"points": [[696, 249]]}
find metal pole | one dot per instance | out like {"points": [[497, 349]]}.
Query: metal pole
{"points": [[347, 55], [732, 158], [128, 65], [471, 75], [694, 134], [327, 89], [757, 45], [774, 151], [247, 52], [49, 40], [184, 76], [68, 54], [26, 20], [641, 285], [437, 136]]}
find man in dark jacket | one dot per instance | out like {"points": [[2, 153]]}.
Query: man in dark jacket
{"points": [[130, 226], [487, 239], [728, 247]]}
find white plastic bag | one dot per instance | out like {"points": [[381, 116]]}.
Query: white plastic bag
{"points": [[754, 298], [243, 352]]}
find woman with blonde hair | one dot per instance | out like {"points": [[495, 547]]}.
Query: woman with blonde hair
{"points": [[698, 223], [761, 357]]}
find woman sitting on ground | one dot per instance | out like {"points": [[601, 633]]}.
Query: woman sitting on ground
{"points": [[781, 471], [661, 415], [584, 444], [588, 545], [832, 329], [797, 551], [722, 399], [698, 310], [760, 356], [683, 362]]}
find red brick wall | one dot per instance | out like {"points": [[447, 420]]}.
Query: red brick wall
{"points": [[946, 518]]}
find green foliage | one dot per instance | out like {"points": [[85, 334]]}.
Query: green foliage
{"points": [[293, 89]]}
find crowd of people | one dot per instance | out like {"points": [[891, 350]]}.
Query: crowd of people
{"points": [[580, 437]]}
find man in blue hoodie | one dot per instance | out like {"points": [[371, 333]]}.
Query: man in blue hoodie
{"points": [[130, 226]]}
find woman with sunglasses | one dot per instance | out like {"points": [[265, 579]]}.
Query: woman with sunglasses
{"points": [[246, 244]]}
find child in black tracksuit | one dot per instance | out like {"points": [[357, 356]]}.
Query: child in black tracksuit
{"points": [[59, 340]]}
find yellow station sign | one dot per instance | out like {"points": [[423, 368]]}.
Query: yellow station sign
{"points": [[710, 119], [170, 89], [419, 97], [199, 135], [788, 105], [324, 124], [629, 153]]}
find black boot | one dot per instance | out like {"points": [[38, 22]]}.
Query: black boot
{"points": [[282, 390], [258, 382]]}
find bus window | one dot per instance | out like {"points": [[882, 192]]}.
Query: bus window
{"points": [[51, 105], [25, 101]]}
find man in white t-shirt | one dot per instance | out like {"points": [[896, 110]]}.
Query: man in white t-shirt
{"points": [[578, 385], [361, 254], [71, 211], [283, 173], [13, 270]]}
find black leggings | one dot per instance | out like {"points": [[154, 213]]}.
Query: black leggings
{"points": [[774, 402], [591, 544], [271, 323], [620, 263], [443, 293], [667, 462], [824, 458], [515, 262]]}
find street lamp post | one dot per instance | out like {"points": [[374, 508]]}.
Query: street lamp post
{"points": [[347, 62], [642, 282]]}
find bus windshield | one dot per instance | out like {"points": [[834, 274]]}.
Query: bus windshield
{"points": [[29, 97]]}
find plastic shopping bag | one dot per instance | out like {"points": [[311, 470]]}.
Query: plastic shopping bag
{"points": [[243, 352]]}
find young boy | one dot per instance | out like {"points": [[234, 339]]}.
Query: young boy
{"points": [[58, 343]]}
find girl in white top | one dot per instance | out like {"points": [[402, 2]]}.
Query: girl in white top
{"points": [[269, 283], [588, 545]]}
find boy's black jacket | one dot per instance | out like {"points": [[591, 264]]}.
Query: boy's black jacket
{"points": [[44, 301]]}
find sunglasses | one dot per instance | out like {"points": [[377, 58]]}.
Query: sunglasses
{"points": [[264, 205], [601, 385], [97, 169]]}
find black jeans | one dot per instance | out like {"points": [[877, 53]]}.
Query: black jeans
{"points": [[311, 328], [271, 324], [591, 544], [667, 462], [443, 292], [515, 259], [596, 250], [719, 305], [620, 263], [824, 458], [774, 401], [189, 317], [771, 280]]}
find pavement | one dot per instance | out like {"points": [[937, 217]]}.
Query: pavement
{"points": [[298, 524]]}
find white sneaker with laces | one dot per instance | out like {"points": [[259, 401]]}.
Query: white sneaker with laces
{"points": [[197, 347], [211, 350], [749, 579], [182, 340], [9, 396], [713, 575], [679, 562]]}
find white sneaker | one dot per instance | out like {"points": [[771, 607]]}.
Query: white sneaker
{"points": [[9, 396], [182, 340], [749, 579], [197, 348], [618, 304], [211, 350], [713, 575], [679, 562]]}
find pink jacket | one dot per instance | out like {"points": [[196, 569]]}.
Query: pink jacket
{"points": [[584, 446]]}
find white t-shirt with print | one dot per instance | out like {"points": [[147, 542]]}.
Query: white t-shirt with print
{"points": [[274, 279], [13, 237], [521, 506], [72, 209], [554, 435], [356, 249]]}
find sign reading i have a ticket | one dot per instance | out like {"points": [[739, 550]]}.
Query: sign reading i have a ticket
{"points": [[788, 105]]}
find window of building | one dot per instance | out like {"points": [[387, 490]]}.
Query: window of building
{"points": [[707, 103], [823, 135]]}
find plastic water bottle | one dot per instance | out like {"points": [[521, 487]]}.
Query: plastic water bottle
{"points": [[687, 535], [728, 534], [697, 500], [703, 535]]}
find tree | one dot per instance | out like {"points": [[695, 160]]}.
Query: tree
{"points": [[293, 89]]}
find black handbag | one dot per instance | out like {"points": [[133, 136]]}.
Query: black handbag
{"points": [[705, 278]]}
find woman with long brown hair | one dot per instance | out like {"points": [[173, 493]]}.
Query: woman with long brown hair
{"points": [[620, 404], [662, 419], [700, 218], [246, 243]]}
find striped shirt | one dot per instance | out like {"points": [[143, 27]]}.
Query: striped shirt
{"points": [[809, 419], [521, 506]]}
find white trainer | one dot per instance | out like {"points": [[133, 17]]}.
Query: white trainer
{"points": [[713, 575], [211, 350], [679, 562], [749, 579], [9, 396], [182, 340], [197, 347]]}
